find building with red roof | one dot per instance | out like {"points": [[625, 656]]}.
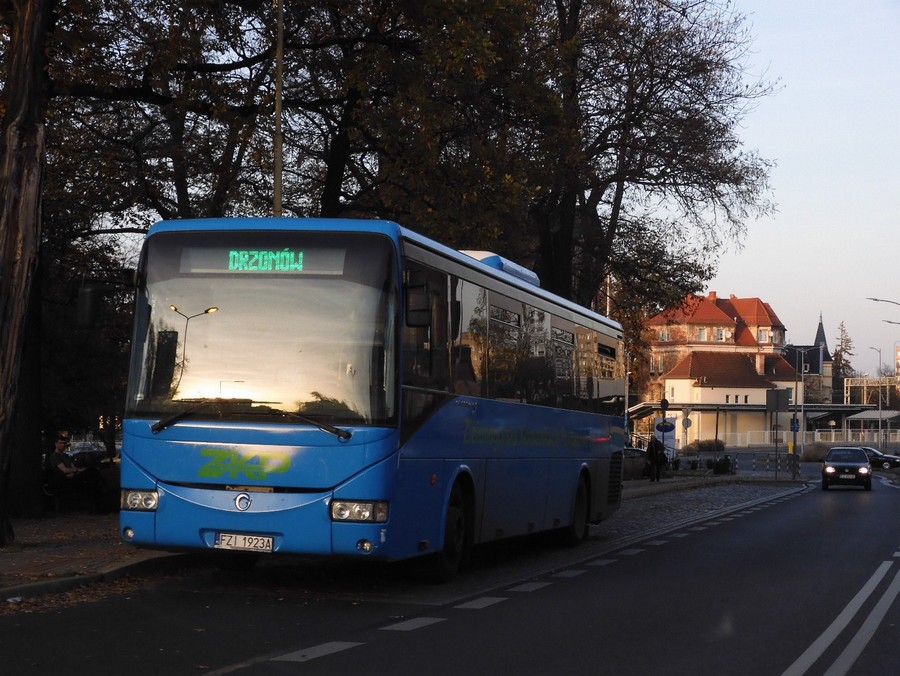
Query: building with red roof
{"points": [[714, 360]]}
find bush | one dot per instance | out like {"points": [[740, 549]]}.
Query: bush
{"points": [[705, 446], [815, 452]]}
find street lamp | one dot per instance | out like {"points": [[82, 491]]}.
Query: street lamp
{"points": [[878, 375], [187, 319]]}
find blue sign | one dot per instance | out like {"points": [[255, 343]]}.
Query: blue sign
{"points": [[664, 426]]}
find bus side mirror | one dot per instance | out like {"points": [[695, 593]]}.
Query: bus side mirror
{"points": [[418, 301]]}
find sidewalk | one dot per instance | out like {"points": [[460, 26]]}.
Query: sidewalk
{"points": [[63, 551], [66, 550]]}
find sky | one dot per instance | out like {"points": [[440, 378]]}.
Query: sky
{"points": [[833, 130]]}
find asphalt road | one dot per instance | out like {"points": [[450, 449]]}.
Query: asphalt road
{"points": [[788, 583]]}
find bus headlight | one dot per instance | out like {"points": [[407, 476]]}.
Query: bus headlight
{"points": [[139, 501], [353, 510]]}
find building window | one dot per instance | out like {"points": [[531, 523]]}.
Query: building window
{"points": [[762, 336], [664, 335], [701, 334], [720, 335], [746, 398], [727, 398]]}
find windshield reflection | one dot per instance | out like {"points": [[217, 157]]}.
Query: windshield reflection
{"points": [[320, 345]]}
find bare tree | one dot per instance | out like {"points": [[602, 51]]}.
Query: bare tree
{"points": [[841, 366], [650, 97]]}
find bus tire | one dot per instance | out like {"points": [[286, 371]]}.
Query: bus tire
{"points": [[457, 537], [577, 531]]}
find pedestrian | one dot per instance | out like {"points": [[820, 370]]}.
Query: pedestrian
{"points": [[65, 478], [60, 465], [656, 454]]}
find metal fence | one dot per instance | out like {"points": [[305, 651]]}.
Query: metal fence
{"points": [[830, 437], [756, 462]]}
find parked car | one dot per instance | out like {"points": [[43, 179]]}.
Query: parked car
{"points": [[635, 464], [882, 460], [86, 453], [847, 465]]}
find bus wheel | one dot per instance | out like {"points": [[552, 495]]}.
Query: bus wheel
{"points": [[577, 532], [457, 538]]}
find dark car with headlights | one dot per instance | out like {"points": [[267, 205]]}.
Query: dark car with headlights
{"points": [[882, 460], [846, 466]]}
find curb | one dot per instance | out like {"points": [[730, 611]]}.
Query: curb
{"points": [[153, 563]]}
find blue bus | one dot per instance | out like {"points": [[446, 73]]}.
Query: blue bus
{"points": [[351, 388]]}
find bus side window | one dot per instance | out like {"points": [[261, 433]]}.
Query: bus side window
{"points": [[425, 347], [418, 302]]}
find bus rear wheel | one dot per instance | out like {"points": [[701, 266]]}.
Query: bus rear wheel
{"points": [[457, 538], [577, 531]]}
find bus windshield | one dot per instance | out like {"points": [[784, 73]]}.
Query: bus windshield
{"points": [[266, 325]]}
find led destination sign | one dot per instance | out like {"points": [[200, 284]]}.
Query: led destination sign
{"points": [[249, 260], [286, 261]]}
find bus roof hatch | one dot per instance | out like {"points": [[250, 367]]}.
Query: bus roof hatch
{"points": [[499, 263]]}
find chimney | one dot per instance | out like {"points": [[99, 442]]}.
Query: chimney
{"points": [[761, 363], [712, 296]]}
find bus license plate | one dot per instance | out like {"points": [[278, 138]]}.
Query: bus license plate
{"points": [[243, 542]]}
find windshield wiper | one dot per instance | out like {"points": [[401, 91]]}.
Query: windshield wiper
{"points": [[200, 404], [341, 434]]}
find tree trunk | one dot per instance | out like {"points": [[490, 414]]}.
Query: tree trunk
{"points": [[21, 173], [555, 224], [26, 497]]}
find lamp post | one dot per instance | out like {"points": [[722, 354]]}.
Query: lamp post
{"points": [[279, 78], [187, 320], [878, 375], [799, 369], [627, 423]]}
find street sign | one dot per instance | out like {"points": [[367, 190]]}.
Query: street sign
{"points": [[664, 426]]}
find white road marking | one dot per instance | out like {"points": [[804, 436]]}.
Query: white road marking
{"points": [[572, 572], [316, 651], [530, 586], [820, 645], [412, 625], [478, 604], [854, 649]]}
